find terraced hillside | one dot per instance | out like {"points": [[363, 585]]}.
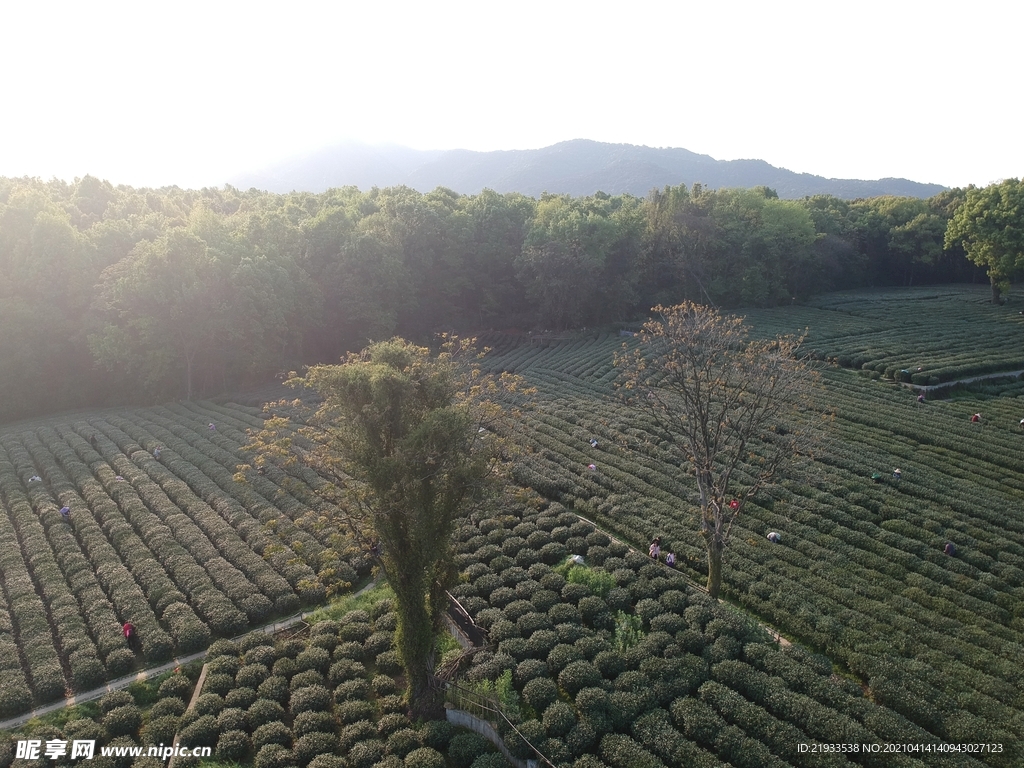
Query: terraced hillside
{"points": [[926, 335], [861, 574], [172, 544], [896, 642], [620, 663]]}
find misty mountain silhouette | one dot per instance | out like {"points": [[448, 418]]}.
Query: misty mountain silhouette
{"points": [[578, 167]]}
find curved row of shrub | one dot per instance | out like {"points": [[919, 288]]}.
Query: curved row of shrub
{"points": [[556, 636], [861, 574], [101, 622], [252, 508], [211, 539], [163, 544]]}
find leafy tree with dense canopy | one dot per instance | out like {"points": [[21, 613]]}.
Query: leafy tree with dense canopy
{"points": [[721, 401], [408, 441], [990, 226], [281, 280]]}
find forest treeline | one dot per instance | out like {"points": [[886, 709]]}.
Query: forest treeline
{"points": [[114, 294]]}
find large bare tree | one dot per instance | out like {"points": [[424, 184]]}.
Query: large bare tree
{"points": [[726, 403]]}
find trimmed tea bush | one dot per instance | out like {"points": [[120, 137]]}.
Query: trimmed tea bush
{"points": [[424, 757], [306, 679], [240, 697], [620, 751], [581, 738], [116, 699], [313, 658], [490, 760], [233, 745], [209, 704], [384, 685], [366, 753], [312, 744], [218, 683], [168, 706], [351, 735], [561, 656], [578, 675], [275, 688], [393, 703], [464, 748], [352, 689], [284, 667], [533, 732], [201, 733], [402, 742], [251, 675], [558, 719], [313, 698], [233, 719], [265, 711], [123, 721], [345, 669], [159, 730], [313, 722], [273, 756], [437, 734], [353, 711], [263, 653], [389, 662], [540, 692], [271, 733]]}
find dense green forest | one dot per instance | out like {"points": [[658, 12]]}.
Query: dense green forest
{"points": [[114, 294]]}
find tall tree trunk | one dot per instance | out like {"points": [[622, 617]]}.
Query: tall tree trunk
{"points": [[995, 289], [189, 354], [415, 641], [425, 701], [715, 550]]}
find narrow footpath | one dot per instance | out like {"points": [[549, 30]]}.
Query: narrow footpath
{"points": [[290, 621], [931, 387], [150, 672], [772, 632]]}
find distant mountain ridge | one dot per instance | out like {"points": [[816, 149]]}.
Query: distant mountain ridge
{"points": [[578, 167]]}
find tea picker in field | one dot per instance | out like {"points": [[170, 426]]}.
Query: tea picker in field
{"points": [[655, 549], [670, 559], [774, 538], [950, 549], [130, 635], [976, 418], [897, 475], [156, 453], [65, 512], [920, 398]]}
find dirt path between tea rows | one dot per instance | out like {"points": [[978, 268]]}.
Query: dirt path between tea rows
{"points": [[145, 674], [954, 382]]}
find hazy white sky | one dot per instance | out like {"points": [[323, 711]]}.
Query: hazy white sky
{"points": [[190, 93]]}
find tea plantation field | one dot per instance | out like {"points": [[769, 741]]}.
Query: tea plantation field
{"points": [[173, 545], [861, 575], [696, 685], [933, 333], [622, 663]]}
